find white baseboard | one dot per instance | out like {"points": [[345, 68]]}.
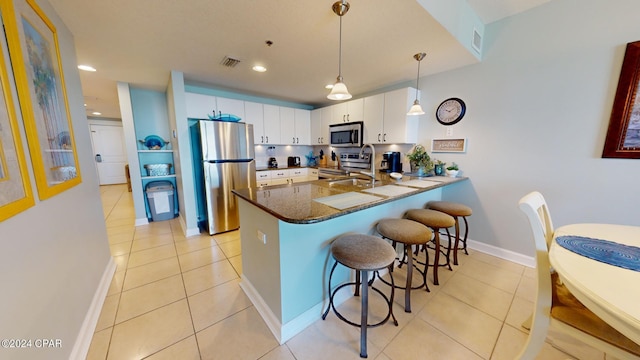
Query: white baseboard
{"points": [[142, 221], [502, 253], [284, 332], [83, 341], [185, 230]]}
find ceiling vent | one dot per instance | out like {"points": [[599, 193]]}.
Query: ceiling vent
{"points": [[477, 41], [229, 62]]}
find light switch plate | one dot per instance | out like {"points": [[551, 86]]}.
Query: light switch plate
{"points": [[262, 237]]}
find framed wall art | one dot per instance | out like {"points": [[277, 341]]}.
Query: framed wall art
{"points": [[35, 57], [623, 135], [15, 187], [449, 145]]}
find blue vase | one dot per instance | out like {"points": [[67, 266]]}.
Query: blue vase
{"points": [[439, 169]]}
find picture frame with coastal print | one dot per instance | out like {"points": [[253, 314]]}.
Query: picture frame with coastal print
{"points": [[35, 57], [623, 135], [15, 187]]}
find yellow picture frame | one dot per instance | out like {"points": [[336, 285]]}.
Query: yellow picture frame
{"points": [[35, 56], [15, 187]]}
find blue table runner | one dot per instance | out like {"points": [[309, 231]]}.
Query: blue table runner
{"points": [[608, 252]]}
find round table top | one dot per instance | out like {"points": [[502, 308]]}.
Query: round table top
{"points": [[609, 291]]}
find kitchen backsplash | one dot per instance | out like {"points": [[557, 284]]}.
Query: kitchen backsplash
{"points": [[282, 152]]}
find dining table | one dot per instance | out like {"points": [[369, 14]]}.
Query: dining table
{"points": [[600, 265]]}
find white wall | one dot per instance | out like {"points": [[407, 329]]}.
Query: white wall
{"points": [[538, 108], [53, 255]]}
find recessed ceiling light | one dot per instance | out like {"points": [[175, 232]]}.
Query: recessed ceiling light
{"points": [[259, 68], [86, 68], [329, 86], [96, 113]]}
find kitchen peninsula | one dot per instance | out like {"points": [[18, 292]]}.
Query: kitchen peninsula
{"points": [[286, 232]]}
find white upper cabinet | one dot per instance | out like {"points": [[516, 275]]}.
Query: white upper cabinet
{"points": [[316, 127], [374, 119], [399, 128], [230, 106], [347, 111], [303, 126], [254, 115], [287, 126], [386, 120], [199, 106], [295, 126], [272, 124]]}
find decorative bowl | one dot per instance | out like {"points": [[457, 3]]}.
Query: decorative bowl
{"points": [[224, 117], [154, 142]]}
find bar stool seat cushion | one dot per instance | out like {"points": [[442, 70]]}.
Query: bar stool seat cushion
{"points": [[362, 252], [431, 218], [404, 231], [451, 208]]}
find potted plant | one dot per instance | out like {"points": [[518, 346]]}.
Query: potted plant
{"points": [[438, 167], [420, 161], [452, 170]]}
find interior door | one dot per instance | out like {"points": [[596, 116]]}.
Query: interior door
{"points": [[109, 153]]}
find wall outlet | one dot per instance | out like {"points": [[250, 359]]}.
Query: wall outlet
{"points": [[262, 237], [449, 131]]}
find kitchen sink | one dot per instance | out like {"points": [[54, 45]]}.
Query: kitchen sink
{"points": [[353, 182]]}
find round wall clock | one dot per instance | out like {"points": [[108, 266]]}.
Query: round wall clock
{"points": [[451, 111]]}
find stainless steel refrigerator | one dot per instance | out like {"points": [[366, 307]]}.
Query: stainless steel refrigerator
{"points": [[227, 164]]}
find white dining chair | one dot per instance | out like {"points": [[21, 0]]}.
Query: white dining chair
{"points": [[555, 306]]}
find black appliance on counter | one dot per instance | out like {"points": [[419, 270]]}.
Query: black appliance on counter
{"points": [[391, 162], [293, 161], [273, 163]]}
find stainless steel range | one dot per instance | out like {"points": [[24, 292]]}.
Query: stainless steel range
{"points": [[352, 162]]}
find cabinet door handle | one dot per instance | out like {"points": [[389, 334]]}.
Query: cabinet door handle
{"points": [[384, 138], [348, 118], [297, 140], [378, 137], [267, 139], [318, 140], [344, 118], [262, 139], [294, 140]]}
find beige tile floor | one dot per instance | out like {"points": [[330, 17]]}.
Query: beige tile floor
{"points": [[178, 298]]}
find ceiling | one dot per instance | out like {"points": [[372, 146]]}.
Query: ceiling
{"points": [[140, 42]]}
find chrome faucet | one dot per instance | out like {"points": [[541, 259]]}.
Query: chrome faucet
{"points": [[372, 159]]}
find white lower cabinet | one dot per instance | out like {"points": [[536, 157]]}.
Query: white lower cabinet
{"points": [[285, 176]]}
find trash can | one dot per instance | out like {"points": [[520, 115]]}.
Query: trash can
{"points": [[160, 197]]}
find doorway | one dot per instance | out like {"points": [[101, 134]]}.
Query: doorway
{"points": [[109, 152]]}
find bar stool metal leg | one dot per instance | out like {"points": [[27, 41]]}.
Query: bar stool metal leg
{"points": [[364, 313]]}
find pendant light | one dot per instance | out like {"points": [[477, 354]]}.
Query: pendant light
{"points": [[339, 90], [416, 109]]}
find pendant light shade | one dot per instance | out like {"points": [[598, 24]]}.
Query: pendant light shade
{"points": [[339, 90], [416, 109]]}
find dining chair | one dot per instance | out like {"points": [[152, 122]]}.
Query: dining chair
{"points": [[554, 304]]}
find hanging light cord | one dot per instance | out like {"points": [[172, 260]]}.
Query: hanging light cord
{"points": [[340, 52], [418, 79]]}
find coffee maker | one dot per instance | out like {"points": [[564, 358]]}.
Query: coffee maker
{"points": [[273, 163], [391, 162]]}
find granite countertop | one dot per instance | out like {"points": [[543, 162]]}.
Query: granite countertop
{"points": [[319, 200]]}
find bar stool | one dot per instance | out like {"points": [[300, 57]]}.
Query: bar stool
{"points": [[362, 253], [456, 210], [408, 233], [435, 220]]}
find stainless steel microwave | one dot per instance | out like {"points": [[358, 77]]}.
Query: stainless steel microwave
{"points": [[346, 134]]}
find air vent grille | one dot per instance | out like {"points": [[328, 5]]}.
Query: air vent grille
{"points": [[477, 41], [229, 62]]}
